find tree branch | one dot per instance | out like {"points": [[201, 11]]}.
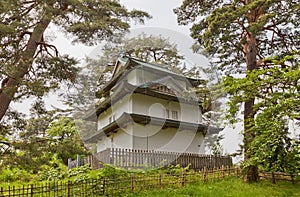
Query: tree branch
{"points": [[26, 11], [46, 46], [5, 143], [24, 33]]}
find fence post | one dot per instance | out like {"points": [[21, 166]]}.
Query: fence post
{"points": [[69, 163], [292, 179], [236, 171], [182, 178], [223, 172], [69, 189], [78, 161], [273, 178], [31, 190], [103, 186], [160, 180], [132, 182], [204, 174]]}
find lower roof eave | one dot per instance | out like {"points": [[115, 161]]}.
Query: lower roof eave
{"points": [[127, 118]]}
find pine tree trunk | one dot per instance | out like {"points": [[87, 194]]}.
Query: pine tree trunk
{"points": [[251, 172], [11, 84]]}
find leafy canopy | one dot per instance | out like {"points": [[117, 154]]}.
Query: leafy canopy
{"points": [[30, 64], [278, 103], [221, 29]]}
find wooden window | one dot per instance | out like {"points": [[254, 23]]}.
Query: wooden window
{"points": [[175, 115], [167, 113]]}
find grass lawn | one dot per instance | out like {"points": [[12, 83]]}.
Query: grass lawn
{"points": [[228, 187]]}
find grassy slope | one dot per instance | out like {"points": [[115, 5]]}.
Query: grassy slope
{"points": [[229, 187]]}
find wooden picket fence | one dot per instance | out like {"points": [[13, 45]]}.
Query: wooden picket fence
{"points": [[132, 158], [90, 160], [110, 186]]}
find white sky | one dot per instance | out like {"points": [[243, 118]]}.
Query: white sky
{"points": [[161, 11]]}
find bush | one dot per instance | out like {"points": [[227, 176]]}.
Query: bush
{"points": [[110, 171], [80, 173], [9, 174], [52, 174]]}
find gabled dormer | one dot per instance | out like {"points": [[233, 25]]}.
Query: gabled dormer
{"points": [[137, 72]]}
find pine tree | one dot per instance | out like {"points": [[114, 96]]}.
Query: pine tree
{"points": [[30, 64], [239, 35]]}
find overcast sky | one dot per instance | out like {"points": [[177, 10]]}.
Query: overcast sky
{"points": [[163, 17], [162, 12]]}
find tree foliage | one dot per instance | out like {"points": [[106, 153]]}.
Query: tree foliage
{"points": [[30, 64], [223, 29], [65, 140], [155, 49], [213, 143], [42, 139], [278, 103], [240, 36]]}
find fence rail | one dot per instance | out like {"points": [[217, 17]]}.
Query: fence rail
{"points": [[131, 158], [62, 189], [114, 186], [279, 176]]}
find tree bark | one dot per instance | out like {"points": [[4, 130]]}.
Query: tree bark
{"points": [[10, 87], [251, 172]]}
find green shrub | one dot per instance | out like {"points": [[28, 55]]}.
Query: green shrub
{"points": [[52, 174], [110, 171], [79, 171], [9, 174], [176, 170], [80, 174]]}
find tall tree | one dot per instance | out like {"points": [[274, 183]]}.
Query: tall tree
{"points": [[239, 35], [30, 64], [40, 138], [275, 147]]}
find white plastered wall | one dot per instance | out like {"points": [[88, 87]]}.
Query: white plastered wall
{"points": [[120, 139], [150, 137], [123, 105], [147, 105]]}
